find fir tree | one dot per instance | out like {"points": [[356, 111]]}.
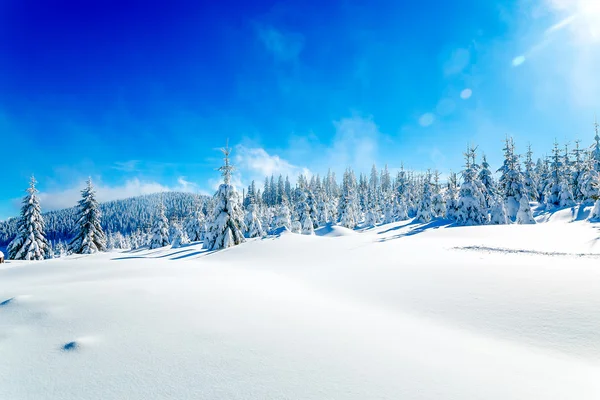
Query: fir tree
{"points": [[227, 224], [179, 238], [525, 216], [160, 230], [498, 211], [511, 179], [451, 196], [438, 201], [530, 180], [486, 179], [195, 226], [30, 242], [253, 224], [471, 205], [553, 186], [348, 207], [424, 212], [89, 238], [283, 219]]}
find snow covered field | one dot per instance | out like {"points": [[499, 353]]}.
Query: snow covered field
{"points": [[402, 311]]}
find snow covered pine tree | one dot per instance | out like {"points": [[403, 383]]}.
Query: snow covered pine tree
{"points": [[227, 221], [160, 230], [89, 237], [30, 242]]}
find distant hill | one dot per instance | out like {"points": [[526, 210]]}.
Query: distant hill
{"points": [[125, 216]]}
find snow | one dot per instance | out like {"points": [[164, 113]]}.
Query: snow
{"points": [[400, 311]]}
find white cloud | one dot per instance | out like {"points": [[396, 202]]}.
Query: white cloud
{"points": [[355, 143], [55, 200], [255, 163], [127, 166], [285, 46]]}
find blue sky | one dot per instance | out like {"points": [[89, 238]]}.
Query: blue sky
{"points": [[139, 95]]}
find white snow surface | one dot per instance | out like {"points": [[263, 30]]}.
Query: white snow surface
{"points": [[400, 311]]}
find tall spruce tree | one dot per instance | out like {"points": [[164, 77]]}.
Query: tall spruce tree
{"points": [[89, 237], [471, 204], [227, 220], [30, 242], [160, 230], [511, 180]]}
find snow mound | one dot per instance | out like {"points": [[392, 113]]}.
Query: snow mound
{"points": [[331, 230]]}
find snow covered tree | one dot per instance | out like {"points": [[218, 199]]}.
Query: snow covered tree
{"points": [[195, 226], [424, 211], [595, 213], [89, 237], [451, 196], [553, 187], [524, 215], [370, 218], [511, 179], [595, 150], [498, 212], [566, 195], [438, 201], [486, 179], [227, 221], [471, 205], [253, 224], [160, 230], [304, 214], [30, 242], [282, 218], [400, 210], [578, 172], [348, 204], [530, 179], [179, 237]]}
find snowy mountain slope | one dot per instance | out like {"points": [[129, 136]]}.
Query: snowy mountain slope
{"points": [[399, 311]]}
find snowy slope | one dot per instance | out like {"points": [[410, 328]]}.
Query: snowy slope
{"points": [[402, 311]]}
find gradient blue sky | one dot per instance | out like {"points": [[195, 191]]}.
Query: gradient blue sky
{"points": [[139, 94]]}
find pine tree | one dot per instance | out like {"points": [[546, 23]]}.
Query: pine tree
{"points": [[283, 219], [304, 213], [530, 180], [30, 242], [195, 226], [180, 237], [348, 206], [553, 186], [160, 230], [451, 196], [471, 205], [438, 201], [511, 180], [89, 238], [525, 216], [424, 212], [595, 151], [227, 221], [498, 211], [578, 171], [253, 224], [486, 179]]}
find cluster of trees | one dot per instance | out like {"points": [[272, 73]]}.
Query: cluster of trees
{"points": [[473, 197]]}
